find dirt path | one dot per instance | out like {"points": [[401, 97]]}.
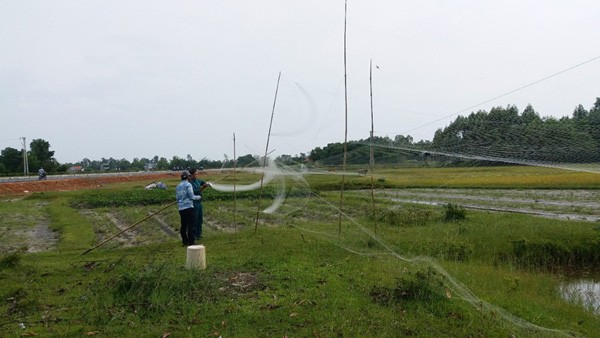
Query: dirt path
{"points": [[77, 183]]}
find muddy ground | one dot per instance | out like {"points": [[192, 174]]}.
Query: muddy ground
{"points": [[27, 232], [75, 183], [36, 235], [578, 205]]}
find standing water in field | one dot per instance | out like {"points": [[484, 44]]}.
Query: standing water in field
{"points": [[584, 292]]}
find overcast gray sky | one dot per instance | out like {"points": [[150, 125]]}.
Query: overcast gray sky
{"points": [[127, 79]]}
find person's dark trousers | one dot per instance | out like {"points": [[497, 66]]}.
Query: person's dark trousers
{"points": [[187, 226], [198, 220]]}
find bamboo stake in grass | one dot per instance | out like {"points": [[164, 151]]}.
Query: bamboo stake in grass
{"points": [[234, 187], [262, 177]]}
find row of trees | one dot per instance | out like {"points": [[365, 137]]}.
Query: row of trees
{"points": [[38, 156], [385, 151], [502, 133], [506, 133], [161, 163]]}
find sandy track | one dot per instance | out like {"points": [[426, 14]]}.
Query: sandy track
{"points": [[77, 183]]}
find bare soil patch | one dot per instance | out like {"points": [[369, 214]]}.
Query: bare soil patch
{"points": [[77, 183], [18, 234], [241, 282]]}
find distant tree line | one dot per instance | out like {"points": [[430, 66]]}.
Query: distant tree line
{"points": [[161, 163], [501, 133], [385, 151], [506, 133], [39, 155]]}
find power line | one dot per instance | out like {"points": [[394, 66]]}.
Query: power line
{"points": [[10, 139], [507, 93]]}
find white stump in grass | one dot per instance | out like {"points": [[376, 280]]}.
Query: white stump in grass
{"points": [[196, 257]]}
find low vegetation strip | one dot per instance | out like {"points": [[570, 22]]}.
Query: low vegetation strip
{"points": [[139, 196]]}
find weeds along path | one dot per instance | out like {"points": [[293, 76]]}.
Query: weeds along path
{"points": [[105, 223], [559, 204]]}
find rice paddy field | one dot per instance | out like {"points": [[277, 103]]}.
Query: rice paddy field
{"points": [[424, 252]]}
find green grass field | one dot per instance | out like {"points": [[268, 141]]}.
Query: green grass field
{"points": [[382, 269]]}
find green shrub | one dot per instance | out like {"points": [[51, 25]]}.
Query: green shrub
{"points": [[454, 212]]}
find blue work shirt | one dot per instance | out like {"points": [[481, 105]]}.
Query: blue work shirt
{"points": [[185, 195], [197, 188]]}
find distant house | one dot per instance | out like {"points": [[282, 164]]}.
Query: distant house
{"points": [[75, 169]]}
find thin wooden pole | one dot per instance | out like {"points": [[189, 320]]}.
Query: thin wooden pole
{"points": [[266, 154], [122, 231], [345, 125], [234, 186], [372, 155]]}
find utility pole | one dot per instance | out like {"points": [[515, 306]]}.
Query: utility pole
{"points": [[25, 160]]}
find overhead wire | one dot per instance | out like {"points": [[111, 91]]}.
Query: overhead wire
{"points": [[507, 93]]}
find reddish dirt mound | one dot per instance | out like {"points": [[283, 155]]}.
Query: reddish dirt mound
{"points": [[83, 182]]}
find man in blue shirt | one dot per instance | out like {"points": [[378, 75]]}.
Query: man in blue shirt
{"points": [[185, 203]]}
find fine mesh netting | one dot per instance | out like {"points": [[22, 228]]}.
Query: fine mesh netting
{"points": [[521, 148]]}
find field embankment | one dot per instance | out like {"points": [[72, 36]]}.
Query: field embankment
{"points": [[79, 182]]}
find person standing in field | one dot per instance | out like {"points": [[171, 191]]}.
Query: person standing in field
{"points": [[198, 186], [184, 194]]}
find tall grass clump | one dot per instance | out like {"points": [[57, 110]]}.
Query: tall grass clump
{"points": [[423, 287], [457, 251], [411, 216], [550, 255], [10, 261], [454, 212]]}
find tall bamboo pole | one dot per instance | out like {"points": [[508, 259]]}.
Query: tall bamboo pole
{"points": [[345, 124], [371, 152], [234, 186], [266, 154]]}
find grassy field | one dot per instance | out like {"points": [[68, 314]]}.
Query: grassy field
{"points": [[372, 270]]}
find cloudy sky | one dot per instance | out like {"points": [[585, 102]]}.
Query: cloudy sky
{"points": [[127, 79]]}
